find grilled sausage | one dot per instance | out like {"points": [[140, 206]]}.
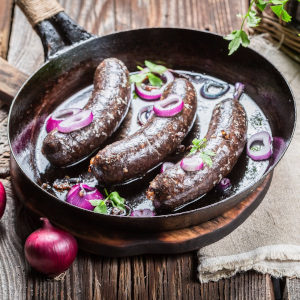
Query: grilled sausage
{"points": [[159, 137], [226, 137], [109, 103]]}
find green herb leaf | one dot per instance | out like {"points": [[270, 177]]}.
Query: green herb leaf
{"points": [[236, 42], [154, 80], [198, 145], [261, 4], [100, 206], [135, 96], [252, 20], [280, 12], [138, 78], [155, 68], [116, 200], [140, 68], [206, 159], [245, 39]]}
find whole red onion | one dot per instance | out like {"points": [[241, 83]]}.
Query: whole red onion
{"points": [[2, 199], [50, 250]]}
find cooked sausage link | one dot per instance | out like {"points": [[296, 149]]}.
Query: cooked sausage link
{"points": [[159, 137], [226, 137], [109, 103]]}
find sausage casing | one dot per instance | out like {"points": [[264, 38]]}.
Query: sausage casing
{"points": [[135, 155], [109, 104], [226, 137]]}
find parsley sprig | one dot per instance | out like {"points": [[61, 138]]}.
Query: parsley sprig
{"points": [[200, 145], [239, 37], [153, 79], [115, 199]]}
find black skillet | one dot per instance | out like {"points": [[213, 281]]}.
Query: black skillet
{"points": [[72, 55]]}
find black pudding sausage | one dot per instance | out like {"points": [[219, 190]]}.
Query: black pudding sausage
{"points": [[135, 155], [226, 137], [109, 102]]}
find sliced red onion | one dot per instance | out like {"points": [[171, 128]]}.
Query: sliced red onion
{"points": [[266, 149], [59, 116], [80, 194], [144, 114], [142, 213], [238, 90], [168, 107], [155, 92], [224, 184], [224, 87], [75, 122], [165, 166], [191, 164]]}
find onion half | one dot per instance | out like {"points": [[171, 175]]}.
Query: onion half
{"points": [[59, 116], [80, 194], [266, 149], [75, 122], [191, 164], [168, 107], [153, 92]]}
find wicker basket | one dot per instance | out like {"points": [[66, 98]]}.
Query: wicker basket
{"points": [[284, 35]]}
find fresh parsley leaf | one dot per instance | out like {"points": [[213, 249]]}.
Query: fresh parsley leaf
{"points": [[135, 96], [235, 42], [198, 145], [116, 200], [280, 12], [206, 159], [155, 68], [100, 206], [245, 39], [140, 68], [138, 78], [154, 80], [261, 4], [253, 20]]}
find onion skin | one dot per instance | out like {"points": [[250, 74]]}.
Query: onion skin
{"points": [[50, 250], [2, 199]]}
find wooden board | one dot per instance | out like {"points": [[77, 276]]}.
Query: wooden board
{"points": [[95, 277], [6, 9]]}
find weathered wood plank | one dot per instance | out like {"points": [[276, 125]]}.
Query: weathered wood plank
{"points": [[92, 277], [292, 289], [6, 9]]}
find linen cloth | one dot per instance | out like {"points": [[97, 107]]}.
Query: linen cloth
{"points": [[269, 240]]}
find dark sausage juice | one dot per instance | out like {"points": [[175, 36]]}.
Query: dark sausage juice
{"points": [[245, 173]]}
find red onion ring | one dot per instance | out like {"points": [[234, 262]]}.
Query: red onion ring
{"points": [[155, 92], [191, 164], [75, 122], [2, 199], [224, 87], [238, 90], [165, 166], [164, 109], [144, 114], [142, 213], [224, 184], [266, 150], [59, 116], [80, 194]]}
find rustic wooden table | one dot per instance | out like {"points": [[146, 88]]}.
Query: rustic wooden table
{"points": [[92, 277]]}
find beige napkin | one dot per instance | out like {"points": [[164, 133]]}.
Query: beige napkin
{"points": [[269, 240]]}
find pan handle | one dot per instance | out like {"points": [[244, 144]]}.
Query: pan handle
{"points": [[55, 28]]}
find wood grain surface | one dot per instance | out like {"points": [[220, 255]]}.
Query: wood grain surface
{"points": [[94, 277]]}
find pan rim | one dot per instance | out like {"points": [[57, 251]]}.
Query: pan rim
{"points": [[171, 215]]}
